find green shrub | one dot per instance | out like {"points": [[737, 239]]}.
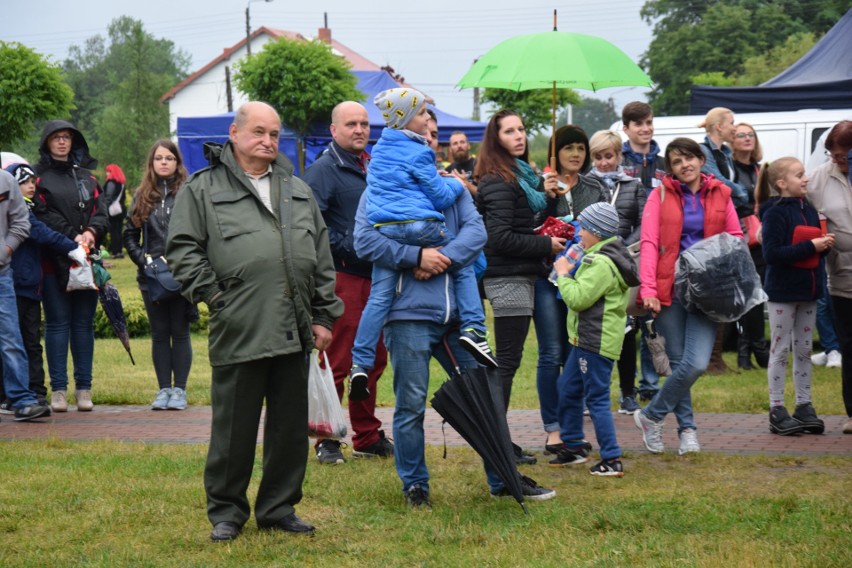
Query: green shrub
{"points": [[137, 319]]}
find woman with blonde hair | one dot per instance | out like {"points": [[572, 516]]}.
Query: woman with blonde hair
{"points": [[145, 236], [718, 156], [747, 155]]}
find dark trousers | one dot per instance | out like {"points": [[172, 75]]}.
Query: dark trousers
{"points": [[510, 333], [843, 326], [627, 363], [238, 392], [354, 291], [171, 347], [29, 318], [115, 241]]}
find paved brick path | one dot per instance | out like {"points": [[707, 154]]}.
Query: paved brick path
{"points": [[728, 433]]}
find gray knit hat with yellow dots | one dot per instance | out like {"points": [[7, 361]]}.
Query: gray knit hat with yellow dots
{"points": [[399, 105], [600, 219]]}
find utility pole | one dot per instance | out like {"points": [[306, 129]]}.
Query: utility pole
{"points": [[228, 96]]}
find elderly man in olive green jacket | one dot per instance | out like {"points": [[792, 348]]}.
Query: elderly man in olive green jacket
{"points": [[248, 239]]}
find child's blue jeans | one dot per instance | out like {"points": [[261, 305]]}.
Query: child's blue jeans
{"points": [[424, 234]]}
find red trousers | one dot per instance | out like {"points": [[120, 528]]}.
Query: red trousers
{"points": [[354, 291]]}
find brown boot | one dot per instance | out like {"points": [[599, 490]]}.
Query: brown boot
{"points": [[717, 365]]}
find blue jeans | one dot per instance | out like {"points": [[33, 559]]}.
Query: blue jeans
{"points": [[551, 331], [689, 343], [587, 374], [649, 383], [411, 345], [69, 317], [825, 323], [383, 290], [16, 376]]}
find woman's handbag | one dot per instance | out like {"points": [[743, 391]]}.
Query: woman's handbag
{"points": [[325, 416], [751, 227], [161, 284]]}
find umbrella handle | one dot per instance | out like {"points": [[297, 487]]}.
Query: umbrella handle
{"points": [[446, 341]]}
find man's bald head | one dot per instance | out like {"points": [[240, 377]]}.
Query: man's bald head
{"points": [[350, 126]]}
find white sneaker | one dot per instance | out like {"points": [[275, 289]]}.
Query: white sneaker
{"points": [[688, 442], [819, 359], [652, 432], [834, 359]]}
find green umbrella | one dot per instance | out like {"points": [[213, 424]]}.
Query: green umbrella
{"points": [[554, 59]]}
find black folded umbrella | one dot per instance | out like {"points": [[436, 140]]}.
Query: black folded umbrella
{"points": [[111, 304], [472, 403]]}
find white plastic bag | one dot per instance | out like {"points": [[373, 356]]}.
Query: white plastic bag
{"points": [[325, 416], [81, 277]]}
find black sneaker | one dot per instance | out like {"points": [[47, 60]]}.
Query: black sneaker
{"points": [[608, 468], [6, 407], [523, 457], [629, 406], [474, 343], [418, 498], [31, 412], [570, 456], [383, 448], [328, 452], [531, 490], [807, 417], [780, 422], [358, 389]]}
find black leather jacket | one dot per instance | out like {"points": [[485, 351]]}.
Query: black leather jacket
{"points": [[157, 227]]}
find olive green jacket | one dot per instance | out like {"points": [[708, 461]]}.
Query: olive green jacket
{"points": [[266, 278]]}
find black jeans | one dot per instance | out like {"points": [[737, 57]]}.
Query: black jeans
{"points": [[171, 349], [510, 333]]}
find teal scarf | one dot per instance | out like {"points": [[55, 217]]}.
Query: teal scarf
{"points": [[529, 183]]}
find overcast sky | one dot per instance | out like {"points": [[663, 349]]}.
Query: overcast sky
{"points": [[432, 44]]}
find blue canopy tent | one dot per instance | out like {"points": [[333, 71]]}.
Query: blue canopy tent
{"points": [[194, 131], [821, 79]]}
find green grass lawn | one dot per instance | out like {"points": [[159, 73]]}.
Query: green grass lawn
{"points": [[118, 382], [65, 503]]}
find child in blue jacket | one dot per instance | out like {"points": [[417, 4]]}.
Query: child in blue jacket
{"points": [[27, 275], [793, 247], [405, 197]]}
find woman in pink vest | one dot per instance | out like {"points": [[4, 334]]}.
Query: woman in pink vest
{"points": [[689, 206]]}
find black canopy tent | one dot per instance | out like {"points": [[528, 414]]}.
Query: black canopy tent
{"points": [[821, 79]]}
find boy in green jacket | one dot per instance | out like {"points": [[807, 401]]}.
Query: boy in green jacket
{"points": [[597, 300]]}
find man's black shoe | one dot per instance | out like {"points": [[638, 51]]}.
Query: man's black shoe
{"points": [[225, 530], [31, 412], [292, 524]]}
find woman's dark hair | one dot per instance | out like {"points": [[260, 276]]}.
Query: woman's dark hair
{"points": [[150, 191], [840, 136], [569, 134], [684, 147], [493, 158]]}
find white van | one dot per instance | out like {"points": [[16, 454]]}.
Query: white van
{"points": [[793, 133]]}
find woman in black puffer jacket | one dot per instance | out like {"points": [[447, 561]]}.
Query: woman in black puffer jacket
{"points": [[68, 200], [508, 198], [145, 234]]}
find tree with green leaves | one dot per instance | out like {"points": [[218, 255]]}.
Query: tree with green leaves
{"points": [[714, 40], [118, 82], [31, 90], [591, 115], [302, 80], [534, 106]]}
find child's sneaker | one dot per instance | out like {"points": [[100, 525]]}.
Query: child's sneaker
{"points": [[629, 406], [780, 422], [608, 468], [358, 381], [807, 417], [474, 343], [570, 456]]}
